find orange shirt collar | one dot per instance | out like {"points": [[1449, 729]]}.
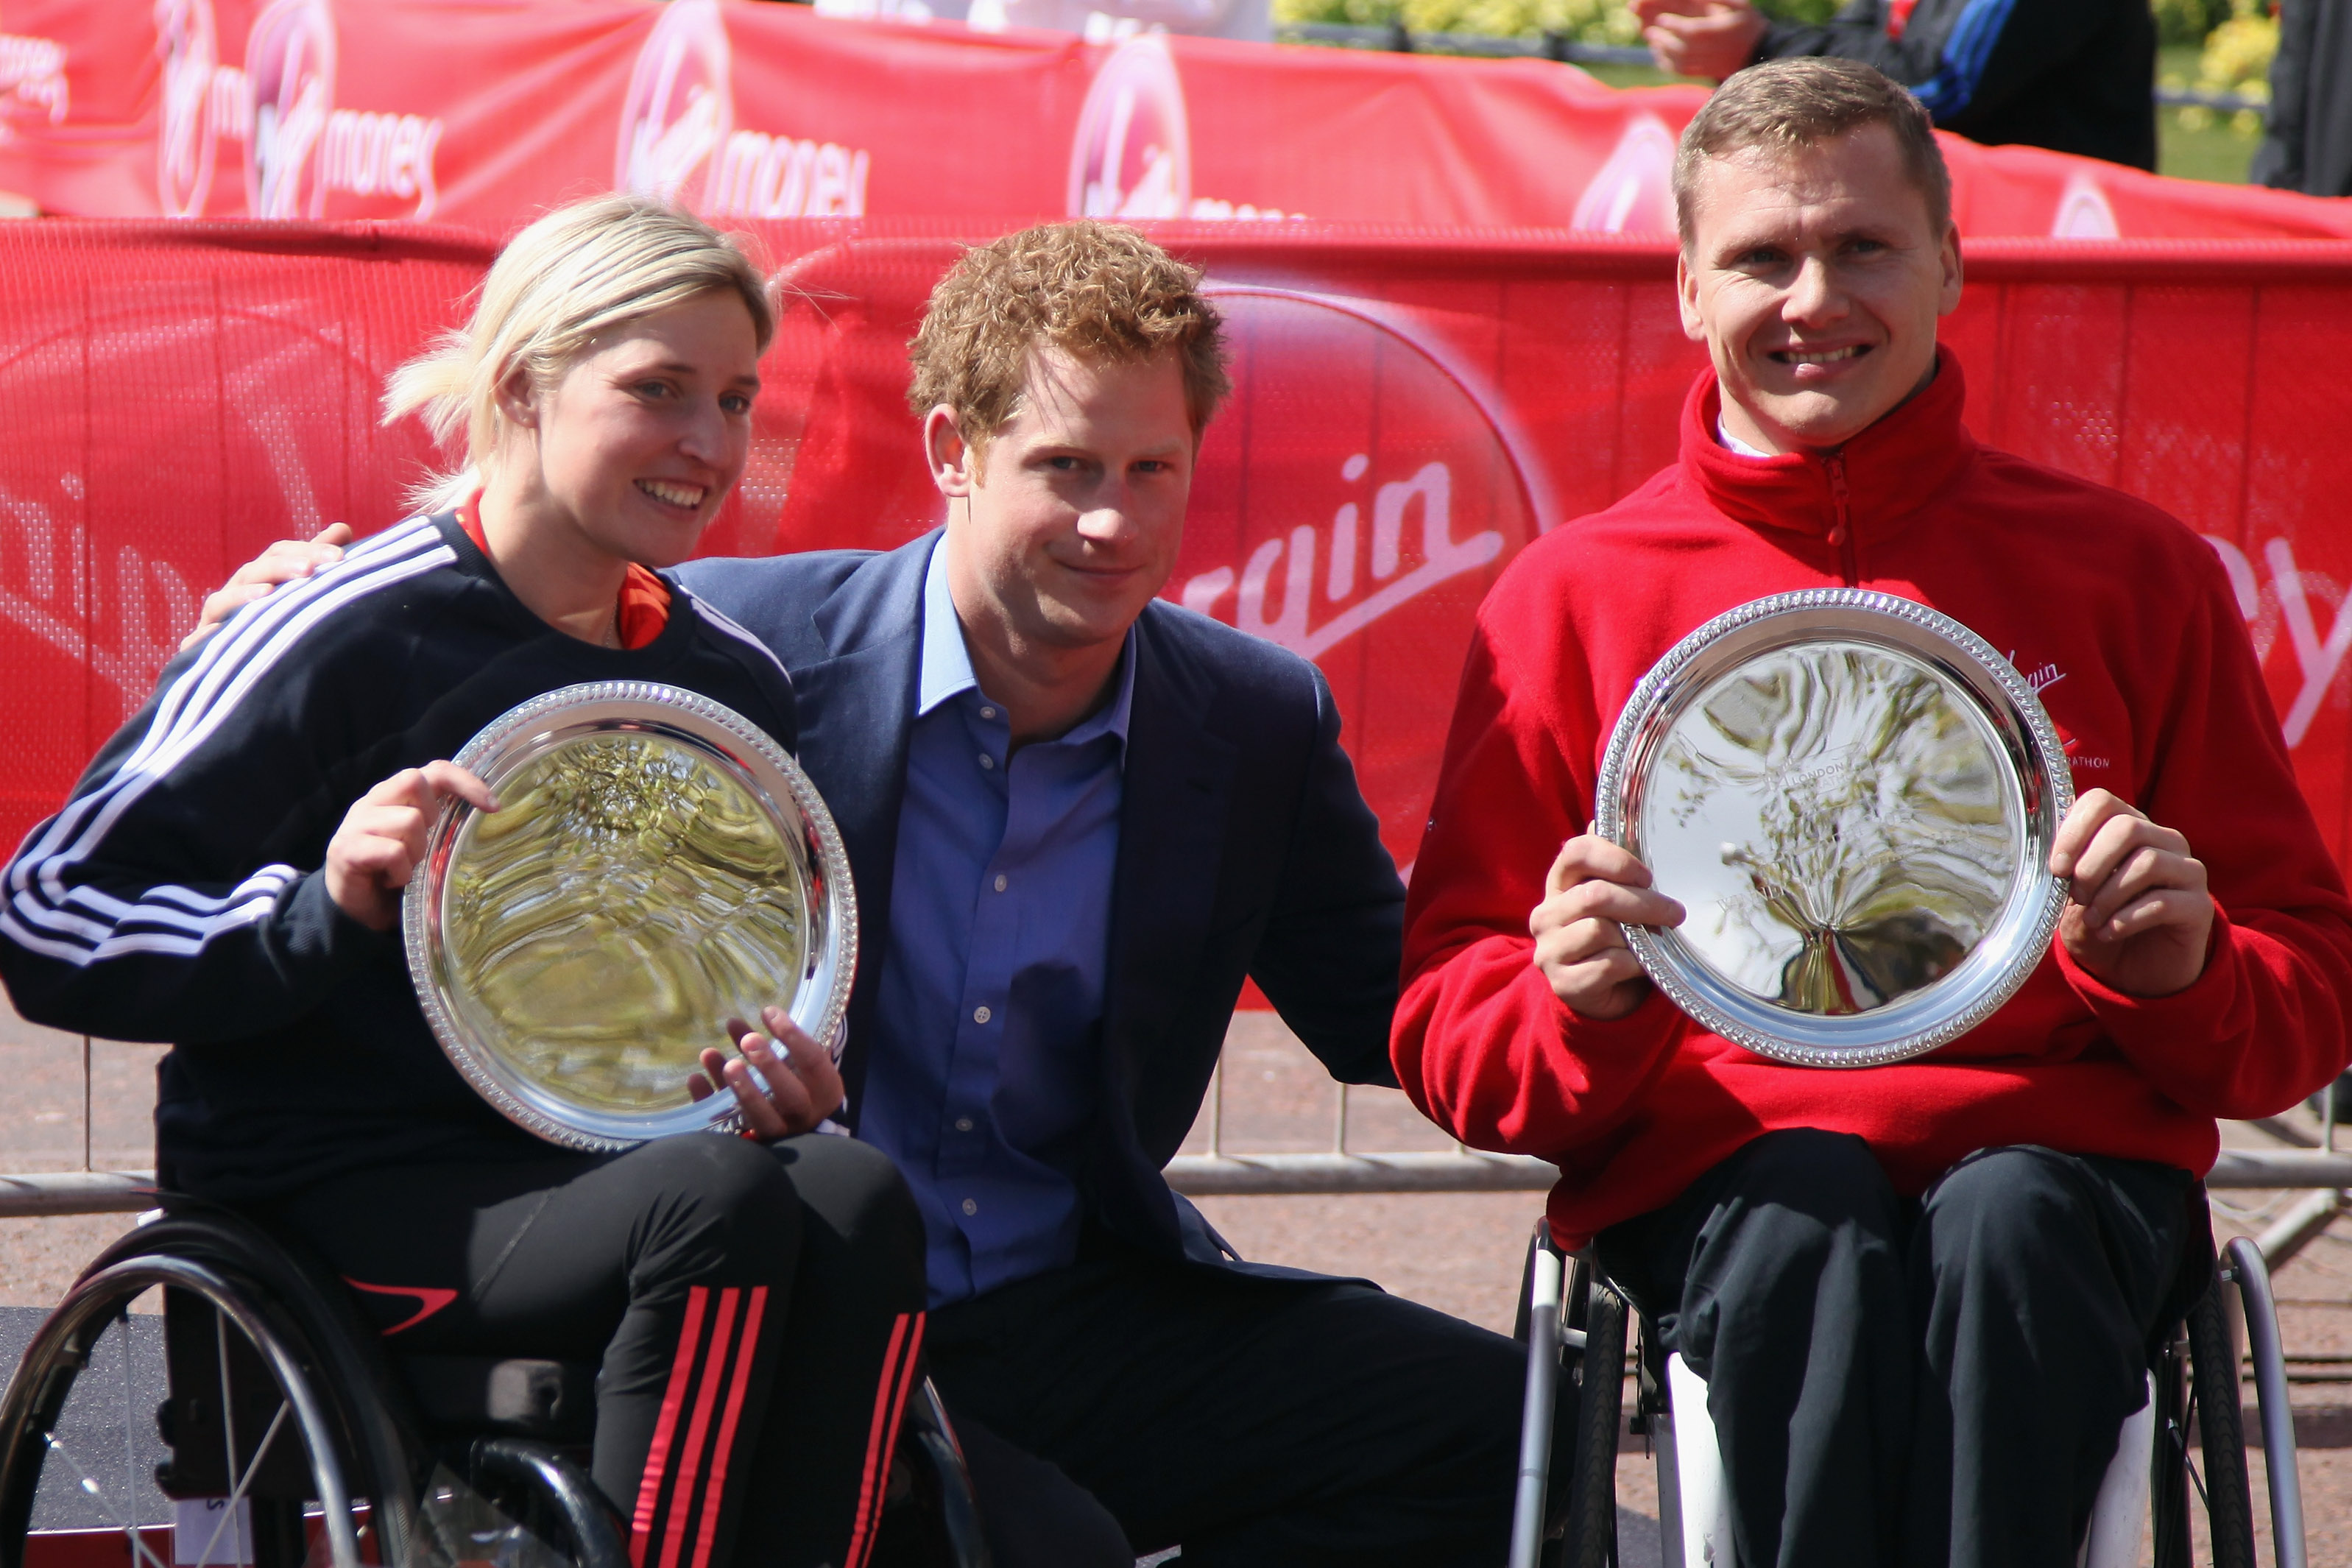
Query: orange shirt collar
{"points": [[644, 597]]}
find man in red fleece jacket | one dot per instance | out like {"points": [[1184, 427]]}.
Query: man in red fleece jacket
{"points": [[1921, 1294]]}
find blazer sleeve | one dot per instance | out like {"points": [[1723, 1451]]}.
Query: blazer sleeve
{"points": [[178, 896], [1328, 959]]}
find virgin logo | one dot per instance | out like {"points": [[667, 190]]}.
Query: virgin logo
{"points": [[1408, 484], [1632, 192], [289, 70], [185, 147], [1133, 154], [680, 106], [1352, 503], [2084, 213]]}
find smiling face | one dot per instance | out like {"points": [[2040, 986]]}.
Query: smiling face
{"points": [[639, 442], [1070, 522], [1815, 279]]}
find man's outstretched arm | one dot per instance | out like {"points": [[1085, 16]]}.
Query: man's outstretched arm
{"points": [[1524, 1025]]}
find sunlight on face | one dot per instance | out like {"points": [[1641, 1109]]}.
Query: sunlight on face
{"points": [[1075, 518], [641, 440], [1815, 279]]}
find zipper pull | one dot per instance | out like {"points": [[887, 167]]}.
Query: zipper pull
{"points": [[1842, 524]]}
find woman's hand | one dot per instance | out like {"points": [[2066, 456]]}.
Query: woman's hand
{"points": [[2137, 915], [375, 851], [283, 561], [1594, 891], [804, 1086]]}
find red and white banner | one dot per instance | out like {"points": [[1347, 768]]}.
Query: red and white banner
{"points": [[1408, 411], [482, 112]]}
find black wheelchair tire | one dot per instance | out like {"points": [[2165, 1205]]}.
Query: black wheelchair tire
{"points": [[539, 1485], [54, 1358], [2220, 1422], [1591, 1541]]}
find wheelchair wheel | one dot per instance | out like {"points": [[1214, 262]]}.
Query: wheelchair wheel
{"points": [[1591, 1541], [273, 1412], [2196, 1388]]}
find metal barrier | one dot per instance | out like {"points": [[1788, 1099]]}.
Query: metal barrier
{"points": [[1341, 1170]]}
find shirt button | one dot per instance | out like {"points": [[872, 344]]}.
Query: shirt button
{"points": [[964, 1124], [1000, 882], [981, 1014], [969, 1206], [988, 713], [986, 760]]}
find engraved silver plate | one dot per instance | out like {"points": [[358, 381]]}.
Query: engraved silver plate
{"points": [[657, 867], [1853, 798]]}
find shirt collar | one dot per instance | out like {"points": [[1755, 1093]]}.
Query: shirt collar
{"points": [[947, 664], [1732, 443]]}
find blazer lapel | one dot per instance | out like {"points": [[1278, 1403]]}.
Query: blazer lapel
{"points": [[1170, 842], [857, 708]]}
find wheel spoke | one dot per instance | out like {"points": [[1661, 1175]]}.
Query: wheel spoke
{"points": [[130, 1459], [237, 1494], [91, 1488]]}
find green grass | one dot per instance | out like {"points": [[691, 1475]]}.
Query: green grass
{"points": [[2217, 150], [2207, 147]]}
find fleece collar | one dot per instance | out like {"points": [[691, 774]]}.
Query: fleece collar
{"points": [[1882, 476]]}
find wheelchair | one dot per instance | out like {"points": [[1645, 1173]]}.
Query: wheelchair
{"points": [[1575, 1322], [293, 1437]]}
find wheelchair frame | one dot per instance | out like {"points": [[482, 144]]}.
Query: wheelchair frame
{"points": [[349, 1488], [1572, 1316]]}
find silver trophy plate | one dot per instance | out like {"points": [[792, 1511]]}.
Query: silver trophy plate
{"points": [[1853, 798], [659, 865]]}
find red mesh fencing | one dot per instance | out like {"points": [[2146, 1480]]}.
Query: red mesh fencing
{"points": [[1411, 410]]}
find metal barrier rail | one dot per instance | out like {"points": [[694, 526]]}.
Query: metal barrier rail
{"points": [[1337, 1171], [1397, 39]]}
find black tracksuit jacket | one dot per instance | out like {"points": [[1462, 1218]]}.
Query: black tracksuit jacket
{"points": [[2076, 76], [179, 896]]}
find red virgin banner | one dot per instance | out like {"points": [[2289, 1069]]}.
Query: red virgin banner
{"points": [[1410, 411], [482, 112]]}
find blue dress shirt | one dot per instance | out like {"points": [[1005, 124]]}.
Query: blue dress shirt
{"points": [[989, 1013]]}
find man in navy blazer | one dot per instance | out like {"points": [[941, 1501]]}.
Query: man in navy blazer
{"points": [[1077, 818]]}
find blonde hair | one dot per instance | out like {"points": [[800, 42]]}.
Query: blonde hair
{"points": [[1098, 291], [578, 271]]}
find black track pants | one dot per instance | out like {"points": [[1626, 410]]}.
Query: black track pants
{"points": [[1929, 1381], [756, 1313], [1284, 1421]]}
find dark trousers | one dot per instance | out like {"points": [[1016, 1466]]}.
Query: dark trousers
{"points": [[1288, 1421], [755, 1314], [1923, 1381]]}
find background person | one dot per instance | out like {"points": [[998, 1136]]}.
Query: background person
{"points": [[211, 883], [2307, 129], [1078, 816], [2074, 75], [1922, 1293]]}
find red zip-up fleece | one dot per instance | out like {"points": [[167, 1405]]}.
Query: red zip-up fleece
{"points": [[2124, 620]]}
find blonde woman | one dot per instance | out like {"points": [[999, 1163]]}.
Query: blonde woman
{"points": [[228, 874]]}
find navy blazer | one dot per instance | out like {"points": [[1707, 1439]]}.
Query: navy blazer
{"points": [[1244, 848]]}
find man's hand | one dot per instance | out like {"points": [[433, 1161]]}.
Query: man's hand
{"points": [[2137, 915], [283, 561], [1710, 39], [1594, 891], [375, 851], [804, 1086]]}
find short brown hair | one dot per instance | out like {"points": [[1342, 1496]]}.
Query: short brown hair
{"points": [[1782, 106], [1098, 291]]}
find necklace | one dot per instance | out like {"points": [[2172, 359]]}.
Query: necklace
{"points": [[611, 636]]}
